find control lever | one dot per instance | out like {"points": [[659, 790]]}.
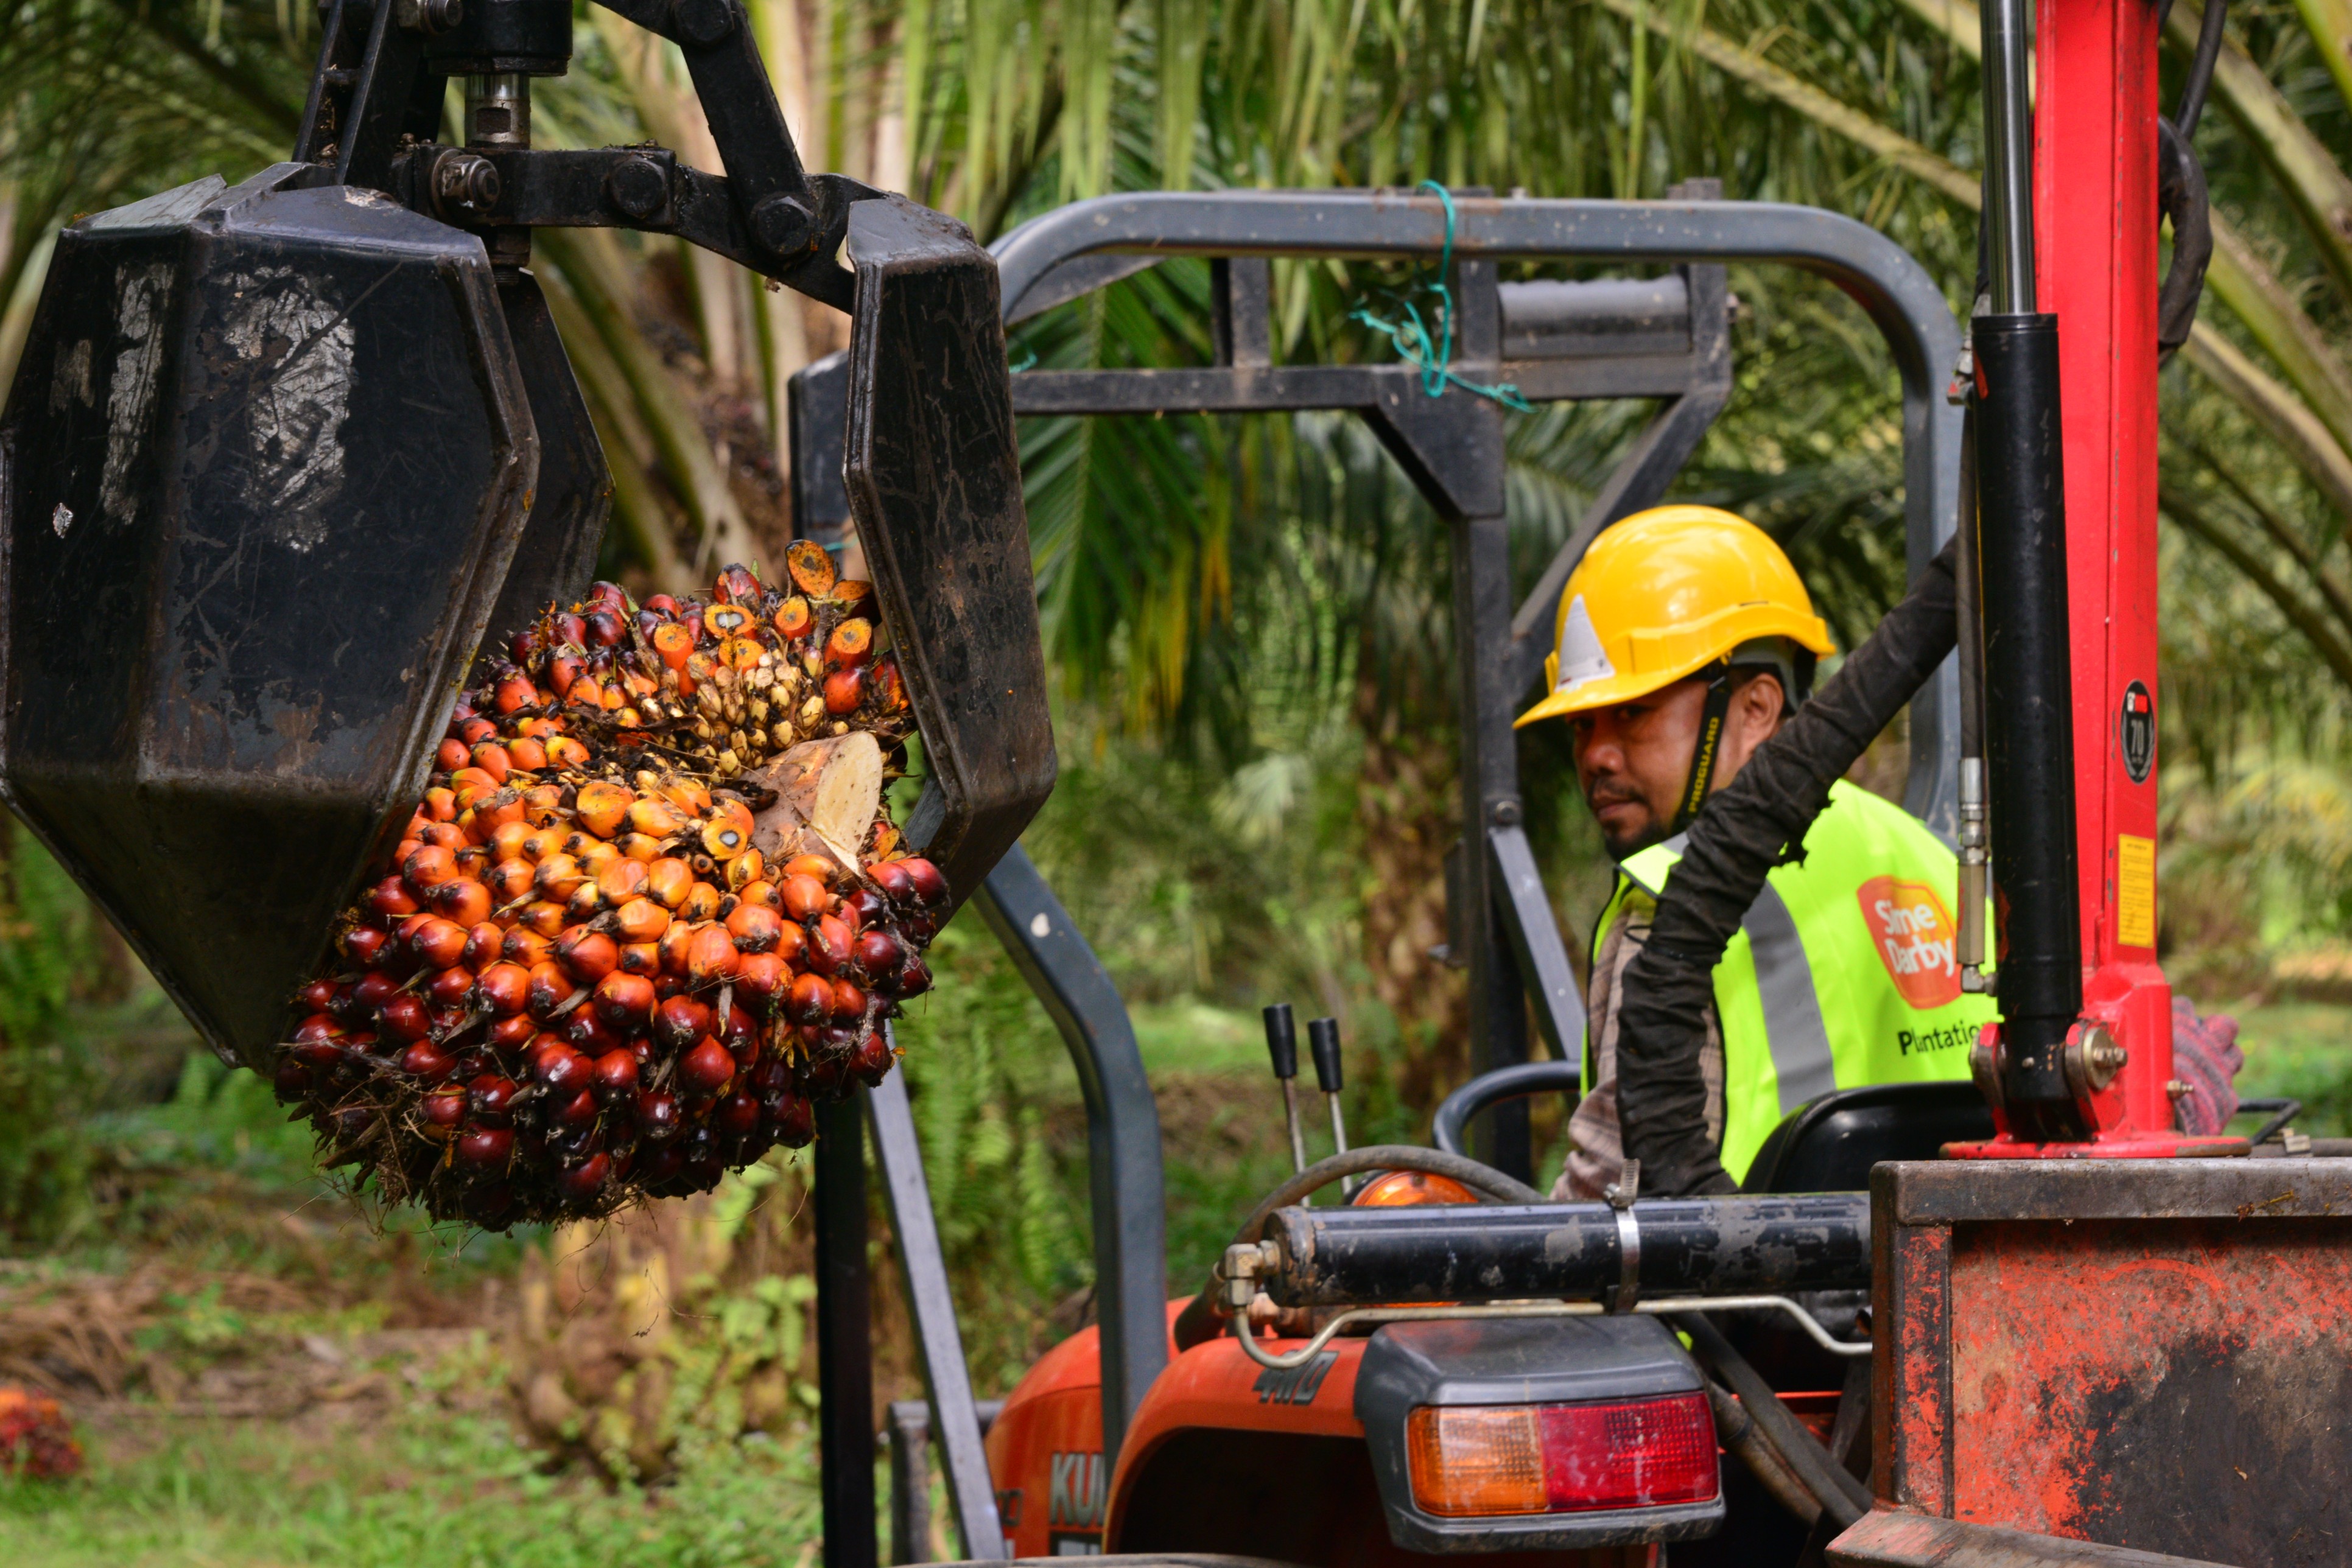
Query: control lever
{"points": [[1282, 1045], [1323, 1044]]}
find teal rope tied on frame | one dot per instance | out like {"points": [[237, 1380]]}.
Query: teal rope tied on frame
{"points": [[1411, 336]]}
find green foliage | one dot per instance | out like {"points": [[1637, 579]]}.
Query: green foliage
{"points": [[48, 944]]}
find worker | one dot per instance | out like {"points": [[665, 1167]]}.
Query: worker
{"points": [[1684, 640]]}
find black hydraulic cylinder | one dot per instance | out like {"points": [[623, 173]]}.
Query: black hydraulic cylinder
{"points": [[1708, 1246], [2029, 717]]}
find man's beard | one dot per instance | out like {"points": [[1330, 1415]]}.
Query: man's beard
{"points": [[1654, 833]]}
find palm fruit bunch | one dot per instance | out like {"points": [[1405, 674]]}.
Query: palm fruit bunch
{"points": [[651, 908]]}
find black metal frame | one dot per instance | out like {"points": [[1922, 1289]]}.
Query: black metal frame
{"points": [[1554, 341]]}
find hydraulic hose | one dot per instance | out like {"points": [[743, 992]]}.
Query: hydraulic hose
{"points": [[1740, 1435], [1757, 822], [1203, 1320], [1840, 1496]]}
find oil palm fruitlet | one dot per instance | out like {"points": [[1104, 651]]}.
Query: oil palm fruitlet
{"points": [[650, 909]]}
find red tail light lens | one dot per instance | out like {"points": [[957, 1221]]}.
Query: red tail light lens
{"points": [[1469, 1461]]}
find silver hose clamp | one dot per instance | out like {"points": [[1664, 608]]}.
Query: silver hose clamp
{"points": [[1622, 1296]]}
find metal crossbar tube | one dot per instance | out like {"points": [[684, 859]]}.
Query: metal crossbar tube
{"points": [[1288, 1361]]}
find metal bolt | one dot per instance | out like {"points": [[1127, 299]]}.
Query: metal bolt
{"points": [[430, 17], [639, 188], [782, 224], [1505, 813], [464, 184], [702, 22]]}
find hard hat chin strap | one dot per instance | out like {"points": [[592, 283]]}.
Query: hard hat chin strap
{"points": [[1709, 748]]}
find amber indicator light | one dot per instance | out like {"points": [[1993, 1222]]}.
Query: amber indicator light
{"points": [[1477, 1461]]}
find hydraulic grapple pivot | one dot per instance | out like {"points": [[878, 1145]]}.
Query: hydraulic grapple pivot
{"points": [[280, 455]]}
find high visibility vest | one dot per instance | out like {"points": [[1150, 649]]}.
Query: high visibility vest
{"points": [[1842, 971]]}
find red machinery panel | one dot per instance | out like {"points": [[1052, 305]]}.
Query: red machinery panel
{"points": [[2147, 1353]]}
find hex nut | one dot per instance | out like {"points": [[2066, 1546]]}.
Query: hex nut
{"points": [[702, 22], [638, 187], [464, 184], [782, 224]]}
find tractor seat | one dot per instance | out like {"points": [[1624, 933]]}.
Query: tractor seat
{"points": [[1829, 1144]]}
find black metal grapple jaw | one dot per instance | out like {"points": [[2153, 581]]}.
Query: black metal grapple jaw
{"points": [[280, 456]]}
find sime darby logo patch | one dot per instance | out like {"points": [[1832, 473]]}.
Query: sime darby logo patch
{"points": [[1914, 934]]}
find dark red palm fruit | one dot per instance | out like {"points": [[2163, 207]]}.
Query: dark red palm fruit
{"points": [[491, 1097], [428, 1061], [648, 621], [318, 996], [759, 978], [848, 1002], [679, 1021], [606, 627], [660, 1166], [866, 906], [561, 671], [590, 1033], [739, 586], [742, 1032], [738, 1115], [389, 901], [810, 999], [526, 645], [318, 1027], [551, 986], [504, 988], [449, 987], [483, 942], [804, 895], [443, 1110], [405, 1017], [291, 1080], [615, 1076], [844, 691], [437, 944], [567, 627], [924, 879], [508, 1035], [447, 1022], [573, 1115], [365, 945], [623, 1002], [706, 1068], [564, 1071], [582, 1182], [878, 955], [828, 948], [588, 955], [473, 731], [822, 1077], [870, 1062], [792, 1119], [915, 978], [368, 996], [658, 1117], [773, 1075], [891, 877], [324, 1055], [754, 929]]}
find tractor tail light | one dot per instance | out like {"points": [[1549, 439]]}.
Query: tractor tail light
{"points": [[1469, 1461]]}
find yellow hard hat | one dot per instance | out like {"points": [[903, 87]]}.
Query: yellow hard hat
{"points": [[1666, 593]]}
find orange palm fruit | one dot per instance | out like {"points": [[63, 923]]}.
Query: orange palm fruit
{"points": [[497, 811], [511, 879], [701, 903], [620, 878], [527, 754], [429, 867], [885, 837], [793, 617], [759, 978], [640, 920], [551, 986], [852, 591], [448, 835], [725, 621], [711, 957], [441, 805], [675, 942], [818, 866], [643, 848], [844, 691], [672, 642], [754, 927], [504, 988], [543, 842], [484, 944], [848, 1002], [598, 855], [585, 903], [558, 875], [811, 569], [728, 832], [810, 999], [492, 758], [588, 955], [515, 692], [542, 805], [803, 896], [641, 959], [506, 840], [654, 818], [889, 687], [792, 944], [452, 755], [561, 671], [851, 644], [745, 870], [563, 751], [439, 943], [760, 891], [669, 880], [467, 785], [461, 899], [543, 916], [525, 946], [601, 807], [623, 1002]]}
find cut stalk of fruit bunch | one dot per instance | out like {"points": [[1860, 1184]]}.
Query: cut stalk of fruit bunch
{"points": [[650, 909]]}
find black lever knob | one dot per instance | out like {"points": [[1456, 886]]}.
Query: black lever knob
{"points": [[1323, 1044], [1282, 1040]]}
